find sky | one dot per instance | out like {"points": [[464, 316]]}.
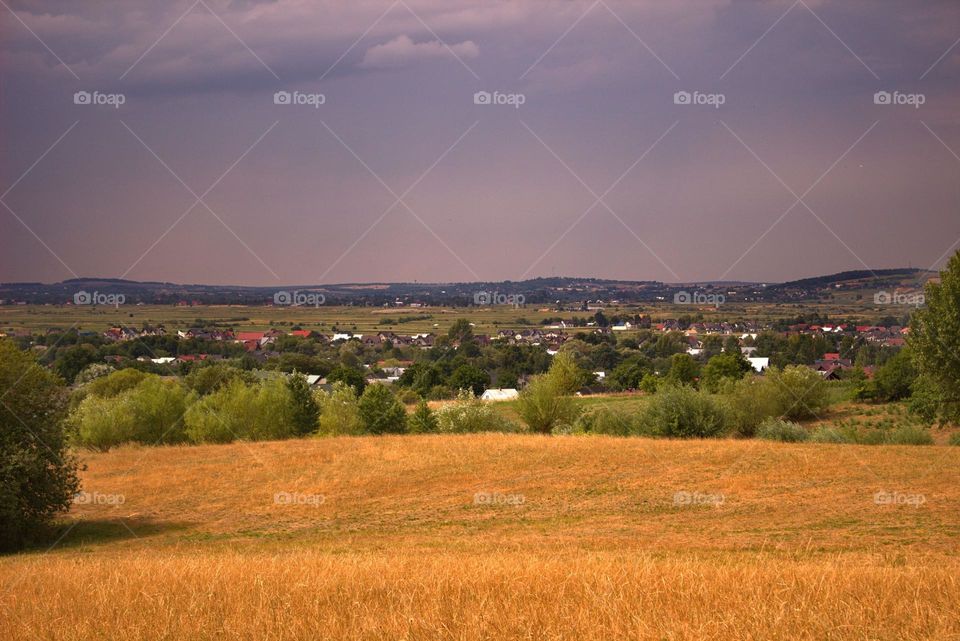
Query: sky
{"points": [[310, 142]]}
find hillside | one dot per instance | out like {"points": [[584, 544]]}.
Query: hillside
{"points": [[499, 536]]}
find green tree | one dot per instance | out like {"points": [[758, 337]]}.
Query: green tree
{"points": [[935, 339], [894, 379], [565, 375], [461, 331], [543, 405], [469, 377], [726, 366], [683, 369], [38, 475], [352, 377], [422, 421], [306, 412], [381, 412], [338, 411]]}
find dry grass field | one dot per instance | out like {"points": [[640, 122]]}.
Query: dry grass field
{"points": [[500, 537]]}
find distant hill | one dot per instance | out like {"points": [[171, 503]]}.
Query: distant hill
{"points": [[533, 291]]}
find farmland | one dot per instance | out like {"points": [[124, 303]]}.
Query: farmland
{"points": [[571, 538]]}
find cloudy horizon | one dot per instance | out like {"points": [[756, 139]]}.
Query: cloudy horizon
{"points": [[258, 143]]}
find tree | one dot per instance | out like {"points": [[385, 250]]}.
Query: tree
{"points": [[422, 421], [38, 475], [381, 412], [679, 411], [306, 412], [800, 391], [543, 405], [338, 411], [726, 366], [469, 377], [683, 369], [565, 375], [352, 377], [935, 339], [461, 331], [628, 374], [894, 379]]}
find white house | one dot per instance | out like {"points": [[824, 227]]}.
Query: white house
{"points": [[500, 394], [759, 364]]}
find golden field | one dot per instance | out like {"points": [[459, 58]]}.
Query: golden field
{"points": [[500, 537]]}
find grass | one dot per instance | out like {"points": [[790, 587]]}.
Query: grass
{"points": [[599, 547]]}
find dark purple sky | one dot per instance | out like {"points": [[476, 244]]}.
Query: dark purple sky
{"points": [[398, 175]]}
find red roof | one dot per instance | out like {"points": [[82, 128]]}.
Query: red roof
{"points": [[249, 336], [831, 356], [302, 333]]}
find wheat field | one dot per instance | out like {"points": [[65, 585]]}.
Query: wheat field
{"points": [[500, 537]]}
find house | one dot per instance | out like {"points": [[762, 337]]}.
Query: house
{"points": [[759, 364], [499, 394], [301, 333]]}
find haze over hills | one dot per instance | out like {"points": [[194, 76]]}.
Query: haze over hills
{"points": [[537, 290]]}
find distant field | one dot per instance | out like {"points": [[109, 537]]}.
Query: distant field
{"points": [[572, 538], [371, 319]]}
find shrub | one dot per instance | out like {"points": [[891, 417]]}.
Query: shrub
{"points": [[101, 423], [469, 414], [909, 436], [209, 378], [954, 439], [604, 420], [257, 412], [679, 411], [829, 435], [776, 429], [339, 414], [36, 482], [801, 392], [543, 406], [115, 383], [423, 420], [380, 412], [750, 401]]}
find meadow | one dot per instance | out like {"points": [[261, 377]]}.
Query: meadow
{"points": [[497, 536]]}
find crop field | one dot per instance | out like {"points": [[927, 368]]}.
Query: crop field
{"points": [[500, 536], [406, 320]]}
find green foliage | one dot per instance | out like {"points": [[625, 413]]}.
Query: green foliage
{"points": [[115, 383], [469, 414], [150, 413], [801, 392], [683, 369], [750, 401], [679, 411], [349, 375], [209, 378], [629, 373], [909, 435], [894, 379], [565, 375], [38, 475], [829, 435], [339, 414], [776, 429], [605, 420], [954, 439], [239, 411], [469, 377], [543, 406], [306, 412], [423, 420], [725, 366], [93, 372], [380, 412], [935, 339]]}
